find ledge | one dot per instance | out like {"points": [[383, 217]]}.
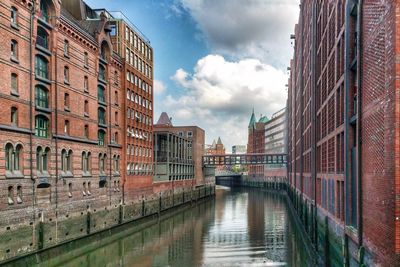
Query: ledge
{"points": [[44, 23], [15, 60], [45, 80], [115, 145], [14, 93], [14, 26], [14, 174], [43, 49], [75, 139], [15, 129], [67, 174], [45, 110]]}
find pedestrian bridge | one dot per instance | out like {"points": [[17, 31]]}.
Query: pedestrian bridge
{"points": [[244, 159]]}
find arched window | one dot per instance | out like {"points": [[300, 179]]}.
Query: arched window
{"points": [[42, 38], [14, 16], [66, 161], [42, 159], [101, 115], [66, 74], [17, 158], [41, 97], [41, 126], [10, 195], [44, 10], [102, 163], [86, 59], [19, 194], [86, 162], [9, 157], [101, 137], [66, 48], [41, 67], [101, 95]]}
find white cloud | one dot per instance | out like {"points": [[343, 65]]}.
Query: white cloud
{"points": [[219, 96], [159, 87], [251, 28]]}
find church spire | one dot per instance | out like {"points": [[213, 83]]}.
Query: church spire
{"points": [[252, 122]]}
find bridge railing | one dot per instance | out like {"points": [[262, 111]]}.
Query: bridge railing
{"points": [[244, 159]]}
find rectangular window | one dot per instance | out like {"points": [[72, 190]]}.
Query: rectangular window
{"points": [[86, 131], [14, 49], [66, 48], [14, 83], [14, 116], [86, 84], [127, 54], [86, 59], [66, 127], [66, 101], [66, 74]]}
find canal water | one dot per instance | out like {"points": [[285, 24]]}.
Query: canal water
{"points": [[241, 227]]}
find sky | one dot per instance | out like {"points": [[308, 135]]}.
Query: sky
{"points": [[215, 60]]}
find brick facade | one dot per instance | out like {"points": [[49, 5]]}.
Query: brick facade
{"points": [[342, 132]]}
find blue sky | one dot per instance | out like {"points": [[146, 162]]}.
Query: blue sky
{"points": [[215, 59]]}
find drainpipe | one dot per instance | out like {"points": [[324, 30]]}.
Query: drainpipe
{"points": [[109, 129], [56, 119], [359, 149], [347, 62], [31, 105]]}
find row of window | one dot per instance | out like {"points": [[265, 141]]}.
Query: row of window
{"points": [[139, 134], [138, 44], [139, 168], [138, 99], [138, 63], [139, 151], [139, 117], [135, 80], [13, 160]]}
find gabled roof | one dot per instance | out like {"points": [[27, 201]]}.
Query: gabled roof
{"points": [[164, 120], [219, 142]]}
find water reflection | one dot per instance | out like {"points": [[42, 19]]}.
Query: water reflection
{"points": [[239, 228]]}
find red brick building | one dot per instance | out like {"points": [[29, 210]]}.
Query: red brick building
{"points": [[256, 143], [137, 117], [343, 136]]}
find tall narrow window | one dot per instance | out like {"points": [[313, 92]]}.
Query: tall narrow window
{"points": [[66, 74], [66, 101], [9, 156], [41, 67], [86, 84], [14, 116], [116, 118], [86, 108], [101, 94], [14, 16], [41, 126], [101, 116], [17, 158], [10, 199], [116, 137], [14, 83], [66, 48], [19, 194], [44, 11], [14, 50], [102, 73], [116, 97], [42, 38], [66, 127], [101, 137], [86, 59], [86, 131], [41, 97]]}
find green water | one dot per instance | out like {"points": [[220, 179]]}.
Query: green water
{"points": [[241, 227]]}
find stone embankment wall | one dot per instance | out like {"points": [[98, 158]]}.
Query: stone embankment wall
{"points": [[45, 230]]}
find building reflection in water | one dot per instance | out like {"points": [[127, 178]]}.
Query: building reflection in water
{"points": [[238, 228]]}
